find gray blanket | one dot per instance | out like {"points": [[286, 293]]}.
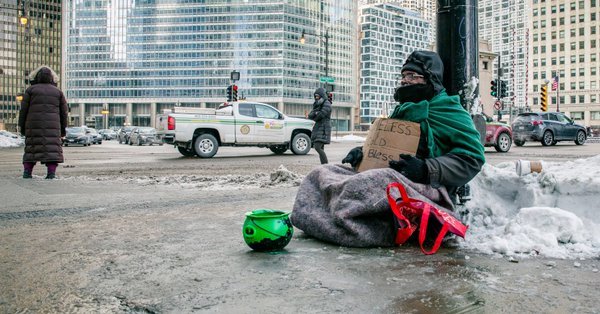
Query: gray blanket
{"points": [[338, 205]]}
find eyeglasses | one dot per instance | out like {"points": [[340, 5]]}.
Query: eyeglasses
{"points": [[411, 76]]}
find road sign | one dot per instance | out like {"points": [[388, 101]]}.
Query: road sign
{"points": [[497, 105], [104, 112], [327, 79]]}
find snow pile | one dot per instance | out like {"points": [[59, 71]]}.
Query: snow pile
{"points": [[348, 138], [281, 177], [555, 213], [8, 139]]}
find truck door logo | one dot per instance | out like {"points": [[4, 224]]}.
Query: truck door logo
{"points": [[244, 129]]}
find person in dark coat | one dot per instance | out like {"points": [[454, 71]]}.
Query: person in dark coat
{"points": [[43, 122], [321, 114], [450, 153]]}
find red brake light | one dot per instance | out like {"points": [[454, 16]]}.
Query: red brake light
{"points": [[171, 123], [537, 122]]}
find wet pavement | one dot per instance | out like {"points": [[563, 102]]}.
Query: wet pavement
{"points": [[129, 229]]}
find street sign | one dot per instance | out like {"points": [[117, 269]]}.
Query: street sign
{"points": [[327, 79], [104, 112], [497, 105]]}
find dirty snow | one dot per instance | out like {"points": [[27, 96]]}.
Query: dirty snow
{"points": [[8, 139], [555, 213]]}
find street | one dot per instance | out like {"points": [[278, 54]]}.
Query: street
{"points": [[144, 229]]}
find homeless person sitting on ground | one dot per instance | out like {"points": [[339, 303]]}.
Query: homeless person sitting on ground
{"points": [[338, 205]]}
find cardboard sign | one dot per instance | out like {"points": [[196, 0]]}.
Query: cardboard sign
{"points": [[386, 140]]}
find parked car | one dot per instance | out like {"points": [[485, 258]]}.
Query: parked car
{"points": [[96, 137], [77, 136], [548, 128], [498, 134], [108, 134], [123, 134], [143, 135]]}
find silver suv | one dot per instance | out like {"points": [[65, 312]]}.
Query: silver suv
{"points": [[547, 128]]}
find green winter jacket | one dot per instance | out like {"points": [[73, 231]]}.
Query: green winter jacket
{"points": [[455, 153]]}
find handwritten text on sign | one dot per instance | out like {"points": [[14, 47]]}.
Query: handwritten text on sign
{"points": [[386, 140]]}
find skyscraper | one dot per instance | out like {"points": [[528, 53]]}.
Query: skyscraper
{"points": [[31, 37], [389, 34], [135, 58]]}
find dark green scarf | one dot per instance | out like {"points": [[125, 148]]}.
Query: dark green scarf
{"points": [[448, 125]]}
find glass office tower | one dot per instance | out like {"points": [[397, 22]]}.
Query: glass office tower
{"points": [[129, 59]]}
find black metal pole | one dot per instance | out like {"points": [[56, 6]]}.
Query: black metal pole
{"points": [[499, 88], [327, 53], [458, 45]]}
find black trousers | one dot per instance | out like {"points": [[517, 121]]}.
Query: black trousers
{"points": [[320, 148]]}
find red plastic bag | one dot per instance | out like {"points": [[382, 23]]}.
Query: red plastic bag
{"points": [[412, 214]]}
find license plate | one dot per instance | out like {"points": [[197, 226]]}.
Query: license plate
{"points": [[71, 141], [521, 128]]}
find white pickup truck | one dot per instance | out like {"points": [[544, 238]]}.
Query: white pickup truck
{"points": [[200, 131]]}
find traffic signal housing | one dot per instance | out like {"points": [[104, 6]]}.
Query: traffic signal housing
{"points": [[494, 88], [503, 89], [235, 93], [230, 93], [330, 97], [544, 98]]}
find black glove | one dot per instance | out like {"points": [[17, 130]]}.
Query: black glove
{"points": [[354, 157], [411, 167]]}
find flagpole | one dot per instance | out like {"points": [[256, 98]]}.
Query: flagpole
{"points": [[557, 97]]}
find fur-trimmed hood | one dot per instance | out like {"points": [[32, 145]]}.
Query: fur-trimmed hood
{"points": [[43, 75]]}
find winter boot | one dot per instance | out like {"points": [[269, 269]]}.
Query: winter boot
{"points": [[27, 174], [51, 175]]}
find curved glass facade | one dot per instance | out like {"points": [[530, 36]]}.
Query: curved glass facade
{"points": [[143, 53]]}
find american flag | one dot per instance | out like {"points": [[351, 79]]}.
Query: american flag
{"points": [[555, 83]]}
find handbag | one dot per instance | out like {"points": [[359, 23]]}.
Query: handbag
{"points": [[412, 214]]}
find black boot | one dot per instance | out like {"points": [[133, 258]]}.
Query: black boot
{"points": [[27, 175], [51, 176]]}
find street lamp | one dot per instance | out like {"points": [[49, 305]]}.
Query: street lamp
{"points": [[324, 37]]}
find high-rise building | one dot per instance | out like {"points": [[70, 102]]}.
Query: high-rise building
{"points": [[389, 34], [134, 58], [426, 8], [565, 44], [31, 37], [504, 24]]}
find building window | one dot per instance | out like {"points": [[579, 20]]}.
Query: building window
{"points": [[561, 8], [581, 58], [535, 62], [581, 31], [485, 65], [582, 99], [577, 115], [582, 45], [573, 99], [581, 85], [595, 115], [561, 60], [553, 62], [593, 43], [535, 75], [573, 86], [593, 57], [561, 34], [573, 59], [593, 71], [581, 72], [581, 18], [573, 73], [561, 21]]}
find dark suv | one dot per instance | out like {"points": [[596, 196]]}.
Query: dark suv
{"points": [[548, 128]]}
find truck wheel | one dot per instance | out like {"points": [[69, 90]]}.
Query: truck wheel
{"points": [[206, 146], [301, 144], [185, 152], [278, 149]]}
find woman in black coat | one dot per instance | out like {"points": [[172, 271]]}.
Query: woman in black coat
{"points": [[43, 122], [321, 114]]}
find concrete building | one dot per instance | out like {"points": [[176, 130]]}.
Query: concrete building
{"points": [[565, 38], [486, 75], [389, 34], [504, 24], [128, 60], [31, 36]]}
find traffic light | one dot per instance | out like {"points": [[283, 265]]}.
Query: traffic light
{"points": [[235, 93], [330, 97], [503, 93], [494, 88], [229, 92], [544, 98]]}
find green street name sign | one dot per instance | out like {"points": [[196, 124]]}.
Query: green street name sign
{"points": [[327, 79]]}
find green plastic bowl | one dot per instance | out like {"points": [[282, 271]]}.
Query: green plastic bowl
{"points": [[267, 229]]}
